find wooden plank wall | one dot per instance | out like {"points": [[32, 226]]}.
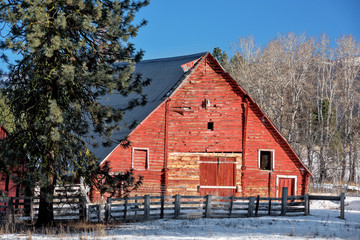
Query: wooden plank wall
{"points": [[180, 126], [261, 135], [184, 172], [205, 97], [5, 180]]}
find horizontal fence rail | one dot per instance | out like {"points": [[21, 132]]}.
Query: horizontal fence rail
{"points": [[156, 207], [27, 208], [178, 206]]}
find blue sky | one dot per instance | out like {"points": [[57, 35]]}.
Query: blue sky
{"points": [[180, 27]]}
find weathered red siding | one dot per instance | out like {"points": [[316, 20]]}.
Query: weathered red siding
{"points": [[205, 97], [7, 186], [148, 134], [261, 135], [188, 130], [177, 135]]}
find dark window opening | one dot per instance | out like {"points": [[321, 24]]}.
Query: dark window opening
{"points": [[210, 126], [265, 160]]}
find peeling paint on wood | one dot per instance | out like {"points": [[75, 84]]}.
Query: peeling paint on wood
{"points": [[178, 135]]}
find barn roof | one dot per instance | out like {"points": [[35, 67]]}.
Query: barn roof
{"points": [[165, 75]]}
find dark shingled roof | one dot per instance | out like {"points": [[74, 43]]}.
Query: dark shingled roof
{"points": [[165, 75]]}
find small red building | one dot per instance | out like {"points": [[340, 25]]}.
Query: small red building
{"points": [[7, 186], [201, 133]]}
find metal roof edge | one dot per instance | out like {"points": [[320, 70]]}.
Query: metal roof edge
{"points": [[107, 156], [171, 58]]}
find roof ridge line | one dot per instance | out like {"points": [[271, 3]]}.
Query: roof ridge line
{"points": [[172, 58]]}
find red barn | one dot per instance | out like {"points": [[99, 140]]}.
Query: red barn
{"points": [[7, 186], [201, 133]]}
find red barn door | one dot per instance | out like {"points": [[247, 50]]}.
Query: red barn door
{"points": [[286, 182], [217, 176]]}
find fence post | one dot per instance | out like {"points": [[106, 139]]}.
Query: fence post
{"points": [[31, 212], [251, 206], [107, 210], [177, 206], [306, 204], [136, 205], [162, 206], [82, 208], [10, 211], [208, 206], [231, 205], [284, 201], [125, 207], [257, 205], [342, 206], [99, 212], [269, 213], [147, 207]]}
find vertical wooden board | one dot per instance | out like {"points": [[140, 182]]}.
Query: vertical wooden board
{"points": [[291, 188], [208, 173], [226, 174], [226, 178], [289, 183]]}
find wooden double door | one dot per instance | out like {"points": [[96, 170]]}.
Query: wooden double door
{"points": [[217, 176]]}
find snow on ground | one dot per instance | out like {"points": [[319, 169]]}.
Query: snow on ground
{"points": [[323, 223], [334, 187]]}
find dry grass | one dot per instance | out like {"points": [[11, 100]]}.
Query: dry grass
{"points": [[83, 229], [29, 235]]}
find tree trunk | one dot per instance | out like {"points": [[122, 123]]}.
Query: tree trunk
{"points": [[46, 214], [343, 166], [322, 166], [309, 157], [352, 160]]}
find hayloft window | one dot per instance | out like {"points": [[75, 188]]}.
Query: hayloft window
{"points": [[140, 159], [210, 126], [266, 159]]}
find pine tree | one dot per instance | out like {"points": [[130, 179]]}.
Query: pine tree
{"points": [[6, 117], [221, 56], [68, 53]]}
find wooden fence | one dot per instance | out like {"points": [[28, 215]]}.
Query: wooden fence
{"points": [[26, 209], [155, 207]]}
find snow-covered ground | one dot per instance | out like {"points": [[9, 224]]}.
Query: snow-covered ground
{"points": [[323, 223]]}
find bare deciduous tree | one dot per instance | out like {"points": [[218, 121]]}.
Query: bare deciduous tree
{"points": [[311, 92]]}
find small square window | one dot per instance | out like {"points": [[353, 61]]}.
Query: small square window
{"points": [[266, 158], [210, 126]]}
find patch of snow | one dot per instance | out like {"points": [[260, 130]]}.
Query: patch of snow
{"points": [[320, 204], [353, 188], [334, 187], [323, 223]]}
